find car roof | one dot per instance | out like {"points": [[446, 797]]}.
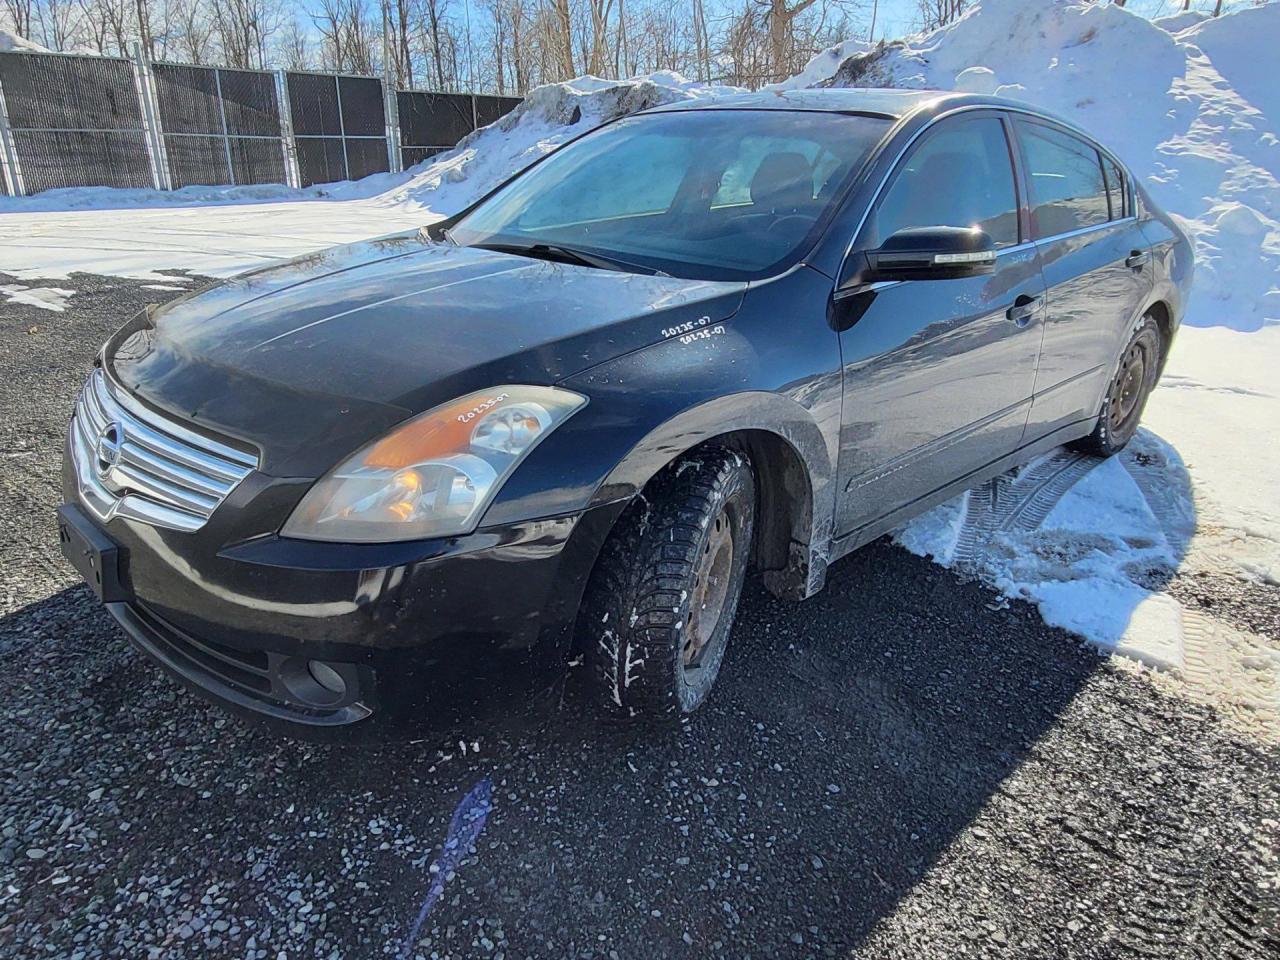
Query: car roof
{"points": [[890, 103], [882, 101]]}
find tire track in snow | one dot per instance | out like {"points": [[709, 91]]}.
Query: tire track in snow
{"points": [[1018, 501]]}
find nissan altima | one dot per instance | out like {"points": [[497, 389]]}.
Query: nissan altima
{"points": [[413, 479]]}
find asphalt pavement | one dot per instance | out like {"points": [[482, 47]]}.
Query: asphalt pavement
{"points": [[904, 766]]}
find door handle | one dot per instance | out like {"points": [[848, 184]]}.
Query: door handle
{"points": [[1023, 310], [1137, 259]]}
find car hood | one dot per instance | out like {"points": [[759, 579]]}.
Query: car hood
{"points": [[308, 359]]}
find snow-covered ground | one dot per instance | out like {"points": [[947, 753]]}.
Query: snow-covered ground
{"points": [[1192, 105], [1189, 102]]}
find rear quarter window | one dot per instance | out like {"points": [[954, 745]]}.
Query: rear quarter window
{"points": [[1117, 196]]}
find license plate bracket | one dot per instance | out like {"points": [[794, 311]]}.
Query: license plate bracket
{"points": [[96, 557]]}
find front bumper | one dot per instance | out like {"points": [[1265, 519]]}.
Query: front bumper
{"points": [[439, 633]]}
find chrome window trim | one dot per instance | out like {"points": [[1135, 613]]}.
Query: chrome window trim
{"points": [[996, 107]]}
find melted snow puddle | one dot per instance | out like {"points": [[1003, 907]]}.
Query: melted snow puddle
{"points": [[1092, 543], [45, 298]]}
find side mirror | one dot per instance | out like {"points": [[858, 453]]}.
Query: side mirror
{"points": [[931, 253]]}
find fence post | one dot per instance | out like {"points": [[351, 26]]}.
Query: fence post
{"points": [[342, 128], [10, 172], [292, 172], [226, 137], [475, 116], [395, 160], [151, 131]]}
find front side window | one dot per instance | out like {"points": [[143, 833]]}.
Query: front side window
{"points": [[960, 176], [704, 194], [1068, 191]]}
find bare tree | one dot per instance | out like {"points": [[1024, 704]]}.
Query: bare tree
{"points": [[293, 52], [434, 14], [193, 31], [243, 29], [347, 35], [938, 13], [61, 25], [21, 15], [562, 38]]}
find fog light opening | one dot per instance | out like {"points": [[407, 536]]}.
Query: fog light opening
{"points": [[327, 677], [318, 683]]}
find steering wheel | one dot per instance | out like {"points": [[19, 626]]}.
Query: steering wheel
{"points": [[804, 218]]}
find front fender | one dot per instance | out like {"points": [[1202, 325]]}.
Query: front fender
{"points": [[773, 370]]}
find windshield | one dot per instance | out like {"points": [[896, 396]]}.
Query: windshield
{"points": [[704, 194]]}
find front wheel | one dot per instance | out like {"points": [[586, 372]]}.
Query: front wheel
{"points": [[1133, 380], [659, 608]]}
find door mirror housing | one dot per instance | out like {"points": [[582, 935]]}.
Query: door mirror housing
{"points": [[930, 253]]}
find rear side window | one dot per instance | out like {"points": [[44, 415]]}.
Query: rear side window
{"points": [[961, 175], [1067, 187], [1115, 189]]}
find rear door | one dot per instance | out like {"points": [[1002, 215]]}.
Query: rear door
{"points": [[938, 374], [1095, 263]]}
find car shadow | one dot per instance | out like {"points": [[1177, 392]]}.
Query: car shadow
{"points": [[850, 741]]}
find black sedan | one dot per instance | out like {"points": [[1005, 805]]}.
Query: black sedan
{"points": [[414, 478]]}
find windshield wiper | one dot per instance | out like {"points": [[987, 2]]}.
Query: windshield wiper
{"points": [[554, 251]]}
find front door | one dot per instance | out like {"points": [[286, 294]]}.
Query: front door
{"points": [[1094, 258], [938, 374]]}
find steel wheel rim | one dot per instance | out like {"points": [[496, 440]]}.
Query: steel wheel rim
{"points": [[1128, 387], [710, 591]]}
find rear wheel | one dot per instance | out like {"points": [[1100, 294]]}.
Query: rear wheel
{"points": [[656, 619], [1126, 397]]}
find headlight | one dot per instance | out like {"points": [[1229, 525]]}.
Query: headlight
{"points": [[433, 475]]}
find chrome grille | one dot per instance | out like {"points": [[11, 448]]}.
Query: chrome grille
{"points": [[132, 462]]}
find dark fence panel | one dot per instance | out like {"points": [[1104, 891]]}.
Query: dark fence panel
{"points": [[51, 91], [317, 127], [249, 99], [84, 121], [257, 160], [320, 159], [188, 99], [313, 104], [489, 109], [363, 114], [75, 121], [220, 126], [69, 158], [431, 123], [433, 119]]}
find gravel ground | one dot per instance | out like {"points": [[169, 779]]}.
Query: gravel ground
{"points": [[900, 767]]}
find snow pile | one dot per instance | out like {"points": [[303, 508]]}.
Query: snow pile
{"points": [[1195, 116], [1191, 105], [546, 118], [1178, 22], [10, 42]]}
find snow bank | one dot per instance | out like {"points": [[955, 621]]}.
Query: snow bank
{"points": [[1181, 21], [1192, 106], [10, 42], [546, 118], [1194, 115]]}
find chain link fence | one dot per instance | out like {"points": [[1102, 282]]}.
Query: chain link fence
{"points": [[68, 120]]}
